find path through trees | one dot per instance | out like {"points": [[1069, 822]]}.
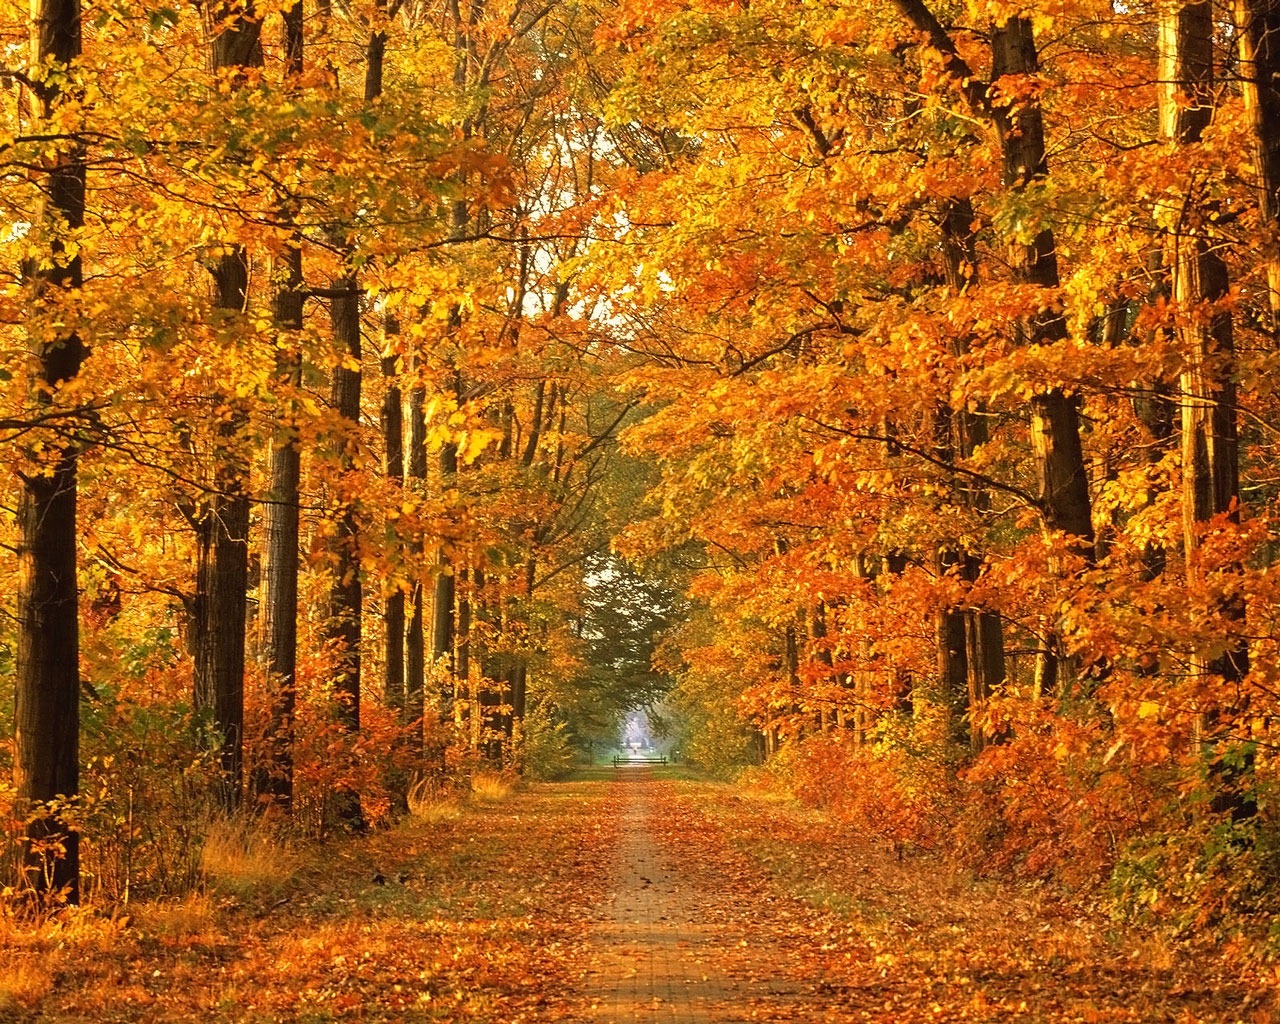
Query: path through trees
{"points": [[619, 897]]}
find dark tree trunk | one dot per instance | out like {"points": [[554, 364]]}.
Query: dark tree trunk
{"points": [[970, 640], [1157, 410], [443, 608], [393, 612], [346, 596], [471, 588], [47, 692], [278, 615], [222, 580], [1062, 478], [222, 535], [1055, 423], [393, 609], [415, 646]]}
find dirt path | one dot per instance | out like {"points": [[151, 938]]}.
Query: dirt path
{"points": [[615, 899], [671, 945], [724, 910]]}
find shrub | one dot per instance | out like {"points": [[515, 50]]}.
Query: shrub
{"points": [[544, 749]]}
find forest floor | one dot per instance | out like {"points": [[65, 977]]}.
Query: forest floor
{"points": [[621, 897]]}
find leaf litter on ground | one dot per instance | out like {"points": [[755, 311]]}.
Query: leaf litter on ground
{"points": [[486, 917]]}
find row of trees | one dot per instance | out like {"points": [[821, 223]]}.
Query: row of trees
{"points": [[962, 324], [305, 433]]}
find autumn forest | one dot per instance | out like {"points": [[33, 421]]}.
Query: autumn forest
{"points": [[880, 397]]}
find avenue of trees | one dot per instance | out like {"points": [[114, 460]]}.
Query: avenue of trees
{"points": [[921, 359]]}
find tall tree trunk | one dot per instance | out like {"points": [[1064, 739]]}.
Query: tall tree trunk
{"points": [[1062, 477], [222, 536], [415, 643], [444, 610], [970, 640], [1156, 410], [393, 609], [443, 607], [46, 699], [278, 617], [1055, 422], [1258, 29], [347, 596], [1210, 467], [472, 583]]}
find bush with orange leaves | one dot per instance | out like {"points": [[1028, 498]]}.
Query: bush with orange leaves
{"points": [[333, 765], [881, 789], [1057, 795]]}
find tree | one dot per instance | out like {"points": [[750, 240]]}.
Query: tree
{"points": [[47, 719], [278, 619], [1210, 438], [1258, 30], [223, 518]]}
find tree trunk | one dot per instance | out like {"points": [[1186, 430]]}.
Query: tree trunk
{"points": [[222, 535], [1210, 468], [464, 688], [346, 596], [970, 640], [393, 608], [443, 608], [1062, 478], [46, 762], [222, 580], [1258, 29], [393, 611], [415, 644], [1063, 481], [278, 616]]}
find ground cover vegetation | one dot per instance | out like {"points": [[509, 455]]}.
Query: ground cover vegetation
{"points": [[395, 391]]}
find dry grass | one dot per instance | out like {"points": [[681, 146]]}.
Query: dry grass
{"points": [[491, 787], [80, 928], [180, 921], [430, 802], [22, 986], [239, 855]]}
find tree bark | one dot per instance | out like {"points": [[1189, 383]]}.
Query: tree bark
{"points": [[393, 612], [1063, 482], [346, 597], [46, 762], [1258, 30], [1061, 474], [971, 640], [415, 643], [1210, 447], [443, 607], [222, 537], [278, 617]]}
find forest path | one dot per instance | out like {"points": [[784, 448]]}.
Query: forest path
{"points": [[668, 946], [611, 898], [724, 909]]}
